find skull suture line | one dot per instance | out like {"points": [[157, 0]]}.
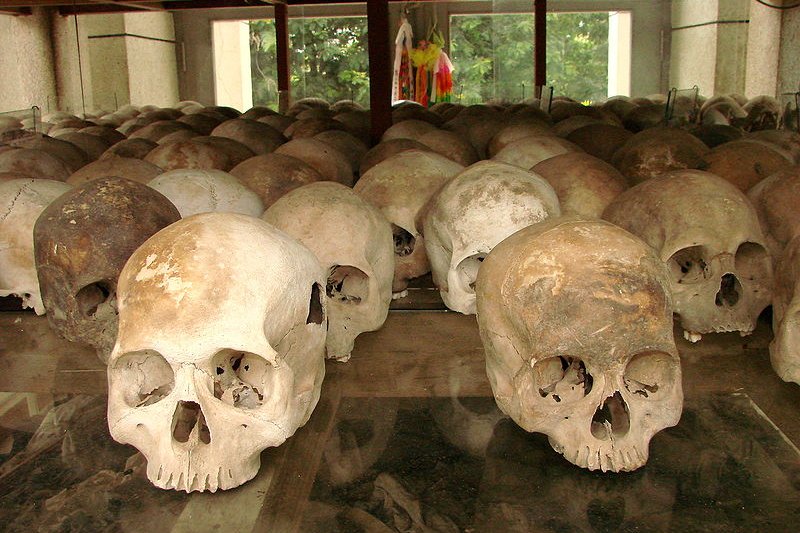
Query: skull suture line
{"points": [[220, 351], [21, 202], [576, 320], [708, 234]]}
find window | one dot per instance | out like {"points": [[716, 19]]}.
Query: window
{"points": [[493, 55], [328, 59]]}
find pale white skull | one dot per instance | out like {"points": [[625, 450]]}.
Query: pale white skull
{"points": [[784, 351], [477, 209], [576, 320], [220, 351], [401, 187], [353, 241], [201, 191], [706, 231], [21, 203]]}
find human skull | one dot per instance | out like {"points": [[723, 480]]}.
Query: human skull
{"points": [[195, 191], [81, 242], [776, 199], [576, 320], [401, 187], [353, 241], [707, 233], [784, 350], [477, 209], [220, 352], [21, 202], [584, 184]]}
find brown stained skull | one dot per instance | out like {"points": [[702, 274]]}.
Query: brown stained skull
{"points": [[707, 233], [81, 243], [576, 320]]}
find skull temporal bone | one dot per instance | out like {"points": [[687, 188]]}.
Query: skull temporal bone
{"points": [[220, 352], [707, 232], [353, 241], [576, 320], [477, 209]]}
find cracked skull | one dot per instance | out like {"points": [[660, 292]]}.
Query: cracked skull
{"points": [[81, 243], [220, 352], [353, 241], [576, 320], [707, 232], [477, 209], [21, 202]]}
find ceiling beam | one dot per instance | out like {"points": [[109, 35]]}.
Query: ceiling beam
{"points": [[15, 11]]}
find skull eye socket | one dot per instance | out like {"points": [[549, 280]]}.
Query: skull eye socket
{"points": [[403, 241], [468, 270], [752, 262], [92, 296], [562, 379], [316, 313], [145, 377], [347, 284], [688, 265], [650, 375], [241, 379]]}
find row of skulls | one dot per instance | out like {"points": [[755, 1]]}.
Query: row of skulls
{"points": [[575, 313]]}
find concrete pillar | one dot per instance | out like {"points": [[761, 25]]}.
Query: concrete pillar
{"points": [[763, 50], [27, 75], [233, 82], [619, 53]]}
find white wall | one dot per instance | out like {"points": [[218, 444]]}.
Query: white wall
{"points": [[27, 74]]}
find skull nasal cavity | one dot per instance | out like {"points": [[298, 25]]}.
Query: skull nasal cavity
{"points": [[403, 241], [187, 417], [729, 290], [611, 420]]}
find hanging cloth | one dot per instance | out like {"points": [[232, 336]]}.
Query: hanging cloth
{"points": [[424, 59], [402, 85], [443, 80]]}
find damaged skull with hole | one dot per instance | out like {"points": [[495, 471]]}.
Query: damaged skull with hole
{"points": [[576, 321], [707, 233], [477, 209], [402, 187], [81, 243], [353, 241], [220, 352]]}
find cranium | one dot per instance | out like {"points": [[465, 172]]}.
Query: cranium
{"points": [[81, 242], [477, 209], [353, 242], [195, 191], [706, 231], [576, 320], [220, 352], [401, 188], [21, 202]]}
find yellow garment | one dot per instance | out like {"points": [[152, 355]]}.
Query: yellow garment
{"points": [[425, 56]]}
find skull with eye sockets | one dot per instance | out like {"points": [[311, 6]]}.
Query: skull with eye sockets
{"points": [[220, 352]]}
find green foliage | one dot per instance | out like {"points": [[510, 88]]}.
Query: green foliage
{"points": [[328, 59], [493, 55]]}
